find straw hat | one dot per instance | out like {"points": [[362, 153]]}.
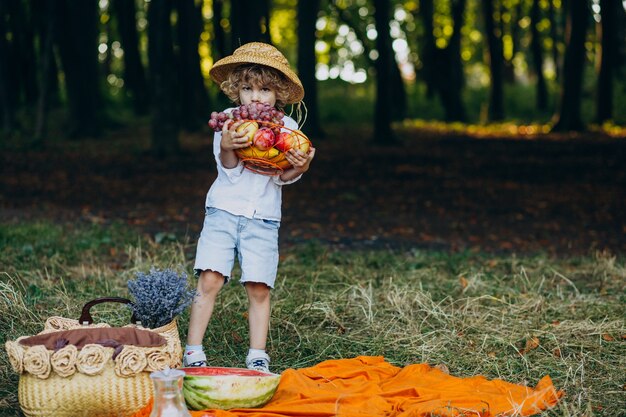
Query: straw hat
{"points": [[262, 54]]}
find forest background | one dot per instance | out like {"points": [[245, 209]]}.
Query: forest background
{"points": [[465, 207], [398, 92]]}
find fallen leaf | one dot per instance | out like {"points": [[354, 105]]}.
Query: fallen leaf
{"points": [[608, 337], [236, 337], [463, 281], [531, 344]]}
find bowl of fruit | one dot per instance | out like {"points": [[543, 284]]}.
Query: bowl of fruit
{"points": [[268, 137]]}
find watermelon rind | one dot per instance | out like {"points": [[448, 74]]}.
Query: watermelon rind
{"points": [[224, 392]]}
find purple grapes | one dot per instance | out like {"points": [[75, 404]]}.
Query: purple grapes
{"points": [[254, 111]]}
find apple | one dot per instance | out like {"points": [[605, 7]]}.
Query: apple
{"points": [[250, 127], [292, 140], [264, 138]]}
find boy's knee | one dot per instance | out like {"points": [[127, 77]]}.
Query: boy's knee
{"points": [[258, 291], [210, 282]]}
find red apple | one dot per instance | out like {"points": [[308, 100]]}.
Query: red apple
{"points": [[292, 140], [264, 138]]}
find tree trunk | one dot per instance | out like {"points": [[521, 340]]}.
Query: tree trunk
{"points": [[42, 18], [398, 91], [165, 116], [246, 17], [194, 97], [219, 46], [494, 43], [382, 114], [6, 107], [23, 53], [46, 53], [77, 37], [264, 12], [608, 57], [134, 72], [307, 17], [451, 86], [443, 68], [537, 54], [568, 117]]}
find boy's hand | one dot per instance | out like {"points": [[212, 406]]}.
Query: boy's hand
{"points": [[300, 160], [231, 139]]}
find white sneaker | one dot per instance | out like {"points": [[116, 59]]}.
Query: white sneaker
{"points": [[259, 363], [194, 358]]}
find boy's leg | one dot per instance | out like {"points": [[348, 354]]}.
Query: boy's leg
{"points": [[209, 285], [259, 320], [258, 313]]}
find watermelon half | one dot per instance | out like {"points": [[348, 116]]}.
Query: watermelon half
{"points": [[225, 388]]}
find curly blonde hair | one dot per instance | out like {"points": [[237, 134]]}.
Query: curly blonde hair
{"points": [[259, 75]]}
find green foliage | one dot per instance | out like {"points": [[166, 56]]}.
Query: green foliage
{"points": [[475, 313], [351, 104]]}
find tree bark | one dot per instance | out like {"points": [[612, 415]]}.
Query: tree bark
{"points": [[537, 54], [6, 107], [246, 17], [194, 98], [382, 113], [219, 45], [495, 58], [398, 91], [165, 116], [42, 17], [24, 61], [568, 117], [450, 79], [609, 11], [307, 17], [47, 59], [77, 38], [134, 71], [443, 68]]}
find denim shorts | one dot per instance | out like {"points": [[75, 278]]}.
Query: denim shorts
{"points": [[254, 242]]}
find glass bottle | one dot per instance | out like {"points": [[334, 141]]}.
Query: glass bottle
{"points": [[168, 394]]}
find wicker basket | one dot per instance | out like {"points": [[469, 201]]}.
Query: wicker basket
{"points": [[66, 384], [272, 161]]}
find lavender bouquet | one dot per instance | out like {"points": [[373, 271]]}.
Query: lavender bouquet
{"points": [[159, 296]]}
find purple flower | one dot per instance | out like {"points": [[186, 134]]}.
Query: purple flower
{"points": [[159, 296]]}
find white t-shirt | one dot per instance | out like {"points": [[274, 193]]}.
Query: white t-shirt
{"points": [[243, 192]]}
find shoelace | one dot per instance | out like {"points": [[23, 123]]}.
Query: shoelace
{"points": [[259, 363]]}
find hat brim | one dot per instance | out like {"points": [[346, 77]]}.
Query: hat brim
{"points": [[220, 70]]}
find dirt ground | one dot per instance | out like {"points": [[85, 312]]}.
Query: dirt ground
{"points": [[559, 195]]}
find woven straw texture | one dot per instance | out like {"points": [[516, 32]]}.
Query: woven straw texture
{"points": [[169, 331], [262, 54], [103, 395], [174, 347], [272, 161], [64, 384]]}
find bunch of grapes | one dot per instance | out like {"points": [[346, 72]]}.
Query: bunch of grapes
{"points": [[253, 111]]}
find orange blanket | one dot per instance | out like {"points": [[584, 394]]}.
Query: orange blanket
{"points": [[369, 386]]}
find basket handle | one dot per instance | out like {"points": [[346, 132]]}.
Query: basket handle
{"points": [[85, 315]]}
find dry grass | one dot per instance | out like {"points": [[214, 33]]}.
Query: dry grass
{"points": [[500, 316]]}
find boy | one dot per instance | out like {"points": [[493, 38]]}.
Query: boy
{"points": [[243, 208]]}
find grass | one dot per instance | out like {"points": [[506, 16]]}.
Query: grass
{"points": [[472, 313]]}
